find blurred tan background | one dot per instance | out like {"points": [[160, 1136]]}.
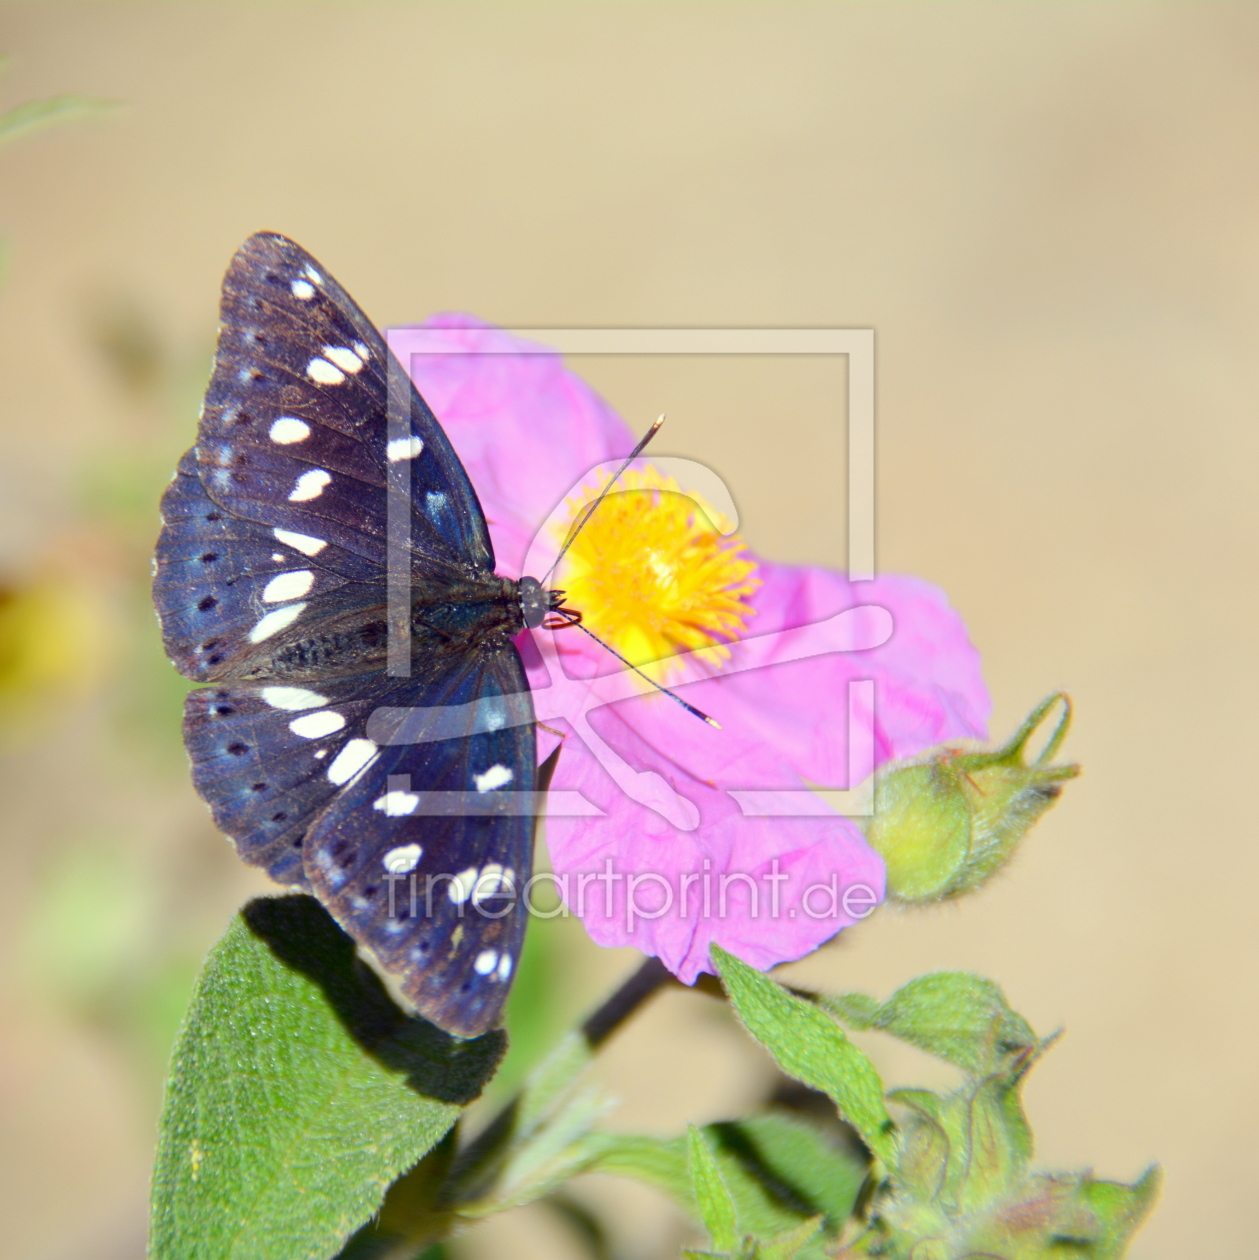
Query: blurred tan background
{"points": [[1050, 215]]}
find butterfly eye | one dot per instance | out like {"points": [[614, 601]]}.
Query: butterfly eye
{"points": [[534, 602]]}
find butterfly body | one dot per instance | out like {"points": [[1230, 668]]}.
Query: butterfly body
{"points": [[401, 798]]}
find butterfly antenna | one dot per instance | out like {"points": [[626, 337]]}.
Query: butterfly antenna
{"points": [[588, 510], [690, 708]]}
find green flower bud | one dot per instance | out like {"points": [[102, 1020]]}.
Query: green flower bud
{"points": [[944, 825], [960, 1185]]}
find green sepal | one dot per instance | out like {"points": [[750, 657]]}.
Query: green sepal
{"points": [[1119, 1210], [923, 1164], [298, 1093], [961, 1186], [809, 1046]]}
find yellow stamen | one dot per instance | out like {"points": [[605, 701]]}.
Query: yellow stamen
{"points": [[652, 573]]}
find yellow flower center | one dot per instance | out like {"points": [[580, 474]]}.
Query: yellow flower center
{"points": [[653, 574]]}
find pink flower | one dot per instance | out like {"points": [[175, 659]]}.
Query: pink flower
{"points": [[693, 835]]}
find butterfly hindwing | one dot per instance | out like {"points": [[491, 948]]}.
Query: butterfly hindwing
{"points": [[422, 857], [261, 756]]}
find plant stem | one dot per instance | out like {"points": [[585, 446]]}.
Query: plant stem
{"points": [[549, 1083], [650, 977]]}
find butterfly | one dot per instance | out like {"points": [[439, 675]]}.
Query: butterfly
{"points": [[366, 730]]}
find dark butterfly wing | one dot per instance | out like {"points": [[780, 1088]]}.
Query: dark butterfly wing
{"points": [[416, 845], [277, 517], [273, 540], [225, 586], [432, 884]]}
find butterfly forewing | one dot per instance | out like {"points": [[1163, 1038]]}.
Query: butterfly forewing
{"points": [[226, 584], [270, 583], [292, 461]]}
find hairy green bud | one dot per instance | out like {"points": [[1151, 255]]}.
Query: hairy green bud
{"points": [[944, 825]]}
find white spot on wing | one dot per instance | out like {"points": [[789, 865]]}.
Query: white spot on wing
{"points": [[461, 886], [317, 725], [403, 859], [304, 543], [504, 967], [285, 586], [351, 760], [492, 879], [435, 503], [485, 962], [311, 274], [275, 621], [344, 358], [303, 289], [403, 448], [288, 429], [324, 373], [362, 351], [292, 698], [397, 804], [494, 777], [310, 485]]}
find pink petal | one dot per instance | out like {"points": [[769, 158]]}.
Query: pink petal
{"points": [[634, 848]]}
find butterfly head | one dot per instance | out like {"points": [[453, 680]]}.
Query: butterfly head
{"points": [[536, 602]]}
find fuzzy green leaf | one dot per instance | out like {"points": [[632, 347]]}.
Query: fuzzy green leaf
{"points": [[810, 1047], [958, 1017], [793, 1243], [780, 1171], [298, 1092], [712, 1198]]}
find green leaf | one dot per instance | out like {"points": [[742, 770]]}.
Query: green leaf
{"points": [[780, 1171], [712, 1197], [808, 1046], [958, 1017], [548, 1092], [793, 1243], [298, 1093], [32, 114], [413, 1212], [542, 1159], [545, 1114]]}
